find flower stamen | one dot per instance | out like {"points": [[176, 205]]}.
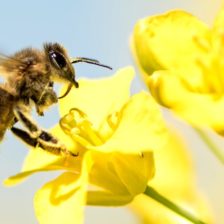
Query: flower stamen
{"points": [[77, 125], [113, 120]]}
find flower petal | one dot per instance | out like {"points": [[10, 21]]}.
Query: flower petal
{"points": [[99, 97], [102, 198], [181, 171], [61, 163], [198, 109], [134, 171], [167, 41], [62, 200], [141, 127], [39, 160], [121, 174], [176, 182], [18, 178], [219, 21]]}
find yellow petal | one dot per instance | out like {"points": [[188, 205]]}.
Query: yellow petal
{"points": [[104, 175], [18, 178], [196, 108], [99, 97], [121, 174], [134, 171], [141, 127], [176, 182], [62, 200], [101, 198], [219, 21], [39, 160], [167, 41], [165, 179], [61, 163]]}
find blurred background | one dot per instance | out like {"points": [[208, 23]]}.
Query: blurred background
{"points": [[96, 29]]}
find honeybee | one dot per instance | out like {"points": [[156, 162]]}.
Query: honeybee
{"points": [[29, 79]]}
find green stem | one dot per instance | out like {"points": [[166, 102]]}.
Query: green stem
{"points": [[169, 204], [211, 145]]}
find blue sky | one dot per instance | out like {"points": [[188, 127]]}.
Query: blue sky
{"points": [[97, 29]]}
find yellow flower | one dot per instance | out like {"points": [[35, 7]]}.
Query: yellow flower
{"points": [[114, 135], [182, 63], [174, 179]]}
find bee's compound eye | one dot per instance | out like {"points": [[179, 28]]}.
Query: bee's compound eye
{"points": [[57, 59]]}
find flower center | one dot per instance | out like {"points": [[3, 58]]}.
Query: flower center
{"points": [[77, 125]]}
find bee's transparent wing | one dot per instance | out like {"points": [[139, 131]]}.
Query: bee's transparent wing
{"points": [[4, 58], [8, 64]]}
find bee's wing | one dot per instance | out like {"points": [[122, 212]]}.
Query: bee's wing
{"points": [[8, 64], [9, 59]]}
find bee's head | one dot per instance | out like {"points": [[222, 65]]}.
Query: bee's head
{"points": [[62, 69]]}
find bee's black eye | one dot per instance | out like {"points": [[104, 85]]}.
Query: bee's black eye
{"points": [[57, 59]]}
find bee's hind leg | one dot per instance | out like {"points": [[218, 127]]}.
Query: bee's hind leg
{"points": [[34, 136]]}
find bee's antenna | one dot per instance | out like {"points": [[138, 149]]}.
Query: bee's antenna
{"points": [[90, 61]]}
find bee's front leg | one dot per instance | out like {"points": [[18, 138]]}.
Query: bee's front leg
{"points": [[34, 136], [48, 98], [24, 136], [46, 141]]}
